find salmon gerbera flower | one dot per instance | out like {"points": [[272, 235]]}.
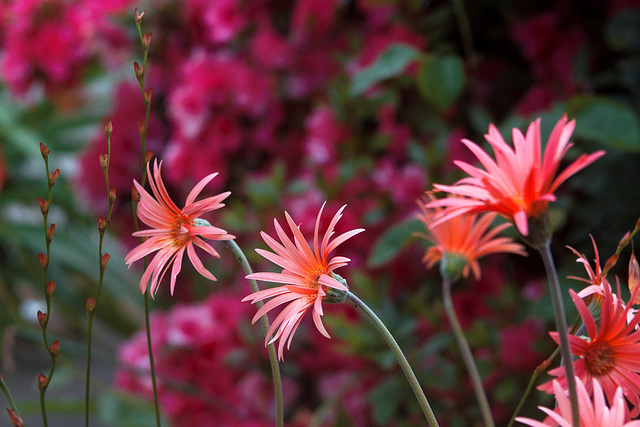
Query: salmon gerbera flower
{"points": [[307, 277], [520, 183], [593, 412], [462, 240], [611, 352], [174, 231]]}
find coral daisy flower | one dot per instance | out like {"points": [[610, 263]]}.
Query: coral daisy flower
{"points": [[593, 413], [462, 240], [306, 277], [174, 231], [519, 183], [610, 354]]}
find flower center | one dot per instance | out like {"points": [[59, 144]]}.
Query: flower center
{"points": [[599, 358], [177, 235]]}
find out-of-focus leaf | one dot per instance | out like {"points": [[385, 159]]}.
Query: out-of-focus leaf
{"points": [[392, 241], [390, 63], [384, 400], [126, 411], [441, 79], [608, 122], [622, 32]]}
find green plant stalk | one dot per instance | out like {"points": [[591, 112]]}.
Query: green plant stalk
{"points": [[467, 356], [7, 393], [465, 30], [273, 358], [561, 326], [402, 360], [151, 361]]}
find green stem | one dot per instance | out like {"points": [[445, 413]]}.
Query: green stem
{"points": [[88, 376], [402, 360], [478, 389], [7, 393], [273, 359], [151, 362], [561, 326], [465, 31]]}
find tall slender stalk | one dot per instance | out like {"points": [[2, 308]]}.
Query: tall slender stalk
{"points": [[402, 360], [561, 326], [467, 356], [7, 393], [273, 358]]}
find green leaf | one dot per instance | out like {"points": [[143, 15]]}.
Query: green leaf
{"points": [[392, 242], [608, 122], [385, 399], [392, 62], [441, 79]]}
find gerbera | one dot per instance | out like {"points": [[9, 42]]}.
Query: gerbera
{"points": [[463, 238], [519, 183], [610, 353], [174, 231], [593, 412], [306, 277]]}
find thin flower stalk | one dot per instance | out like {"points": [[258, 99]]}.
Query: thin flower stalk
{"points": [[264, 320], [9, 396], [402, 360]]}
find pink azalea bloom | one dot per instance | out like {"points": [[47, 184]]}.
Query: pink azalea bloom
{"points": [[174, 231], [593, 413], [610, 354], [306, 277], [519, 183]]}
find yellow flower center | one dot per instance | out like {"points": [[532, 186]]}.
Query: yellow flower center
{"points": [[599, 358], [177, 235]]}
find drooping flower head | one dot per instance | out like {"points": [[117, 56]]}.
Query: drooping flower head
{"points": [[306, 277], [462, 240], [174, 231], [593, 412], [611, 352], [520, 182]]}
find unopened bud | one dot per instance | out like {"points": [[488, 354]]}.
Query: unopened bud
{"points": [[147, 95], [91, 305], [141, 127], [43, 382], [634, 279], [50, 231], [102, 223], [51, 286], [43, 260], [135, 195], [112, 194], [104, 260], [44, 205], [610, 263], [42, 319], [15, 418], [139, 16], [54, 175], [138, 70], [108, 128], [55, 348], [44, 150], [146, 41], [104, 161], [148, 155]]}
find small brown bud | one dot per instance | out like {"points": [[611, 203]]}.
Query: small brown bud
{"points": [[104, 260], [44, 261], [15, 418], [44, 150], [146, 41], [42, 319], [148, 155], [138, 70], [112, 194], [55, 348], [135, 196], [147, 95], [91, 305], [102, 223], [141, 127], [104, 161], [54, 175], [43, 382], [139, 16], [51, 286], [44, 205], [50, 231], [108, 128], [610, 263], [634, 279]]}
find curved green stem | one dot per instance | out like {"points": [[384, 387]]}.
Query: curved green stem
{"points": [[7, 393], [561, 326], [478, 389], [402, 360], [273, 359]]}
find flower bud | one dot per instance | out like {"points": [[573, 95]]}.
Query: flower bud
{"points": [[104, 260], [91, 305], [104, 161], [54, 175], [50, 231], [42, 319], [108, 128], [135, 196], [139, 16], [51, 286], [147, 95], [141, 127], [112, 194], [43, 382], [44, 205], [148, 155], [146, 41], [634, 279], [138, 70], [43, 260], [15, 418], [55, 348], [44, 150], [102, 224]]}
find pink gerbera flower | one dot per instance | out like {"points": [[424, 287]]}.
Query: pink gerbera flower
{"points": [[174, 231], [306, 277], [519, 183], [464, 237], [593, 413], [610, 354]]}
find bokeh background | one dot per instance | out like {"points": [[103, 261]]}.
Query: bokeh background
{"points": [[295, 102]]}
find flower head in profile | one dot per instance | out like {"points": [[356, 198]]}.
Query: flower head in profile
{"points": [[174, 231], [460, 241], [306, 277], [593, 412], [609, 354], [520, 182]]}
